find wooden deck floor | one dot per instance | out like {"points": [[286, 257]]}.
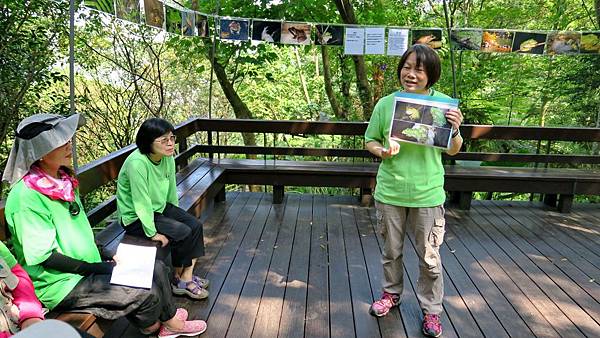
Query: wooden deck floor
{"points": [[311, 267]]}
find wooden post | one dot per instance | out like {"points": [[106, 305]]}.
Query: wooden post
{"points": [[464, 201], [278, 194], [550, 200], [565, 202], [366, 197], [221, 195]]}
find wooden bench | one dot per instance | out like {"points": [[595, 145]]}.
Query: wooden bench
{"points": [[359, 167], [199, 184]]}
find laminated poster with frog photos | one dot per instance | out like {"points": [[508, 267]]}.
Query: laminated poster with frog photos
{"points": [[421, 119]]}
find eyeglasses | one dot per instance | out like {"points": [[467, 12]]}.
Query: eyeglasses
{"points": [[74, 208], [165, 140]]}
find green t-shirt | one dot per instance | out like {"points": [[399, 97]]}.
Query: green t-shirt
{"points": [[415, 176], [40, 225], [7, 255], [144, 188]]}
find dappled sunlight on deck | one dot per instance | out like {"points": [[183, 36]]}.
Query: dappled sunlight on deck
{"points": [[310, 267]]}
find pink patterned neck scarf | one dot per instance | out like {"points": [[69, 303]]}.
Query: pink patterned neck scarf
{"points": [[62, 188]]}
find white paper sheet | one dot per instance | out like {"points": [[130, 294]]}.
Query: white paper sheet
{"points": [[354, 41], [135, 266], [374, 40], [397, 41]]}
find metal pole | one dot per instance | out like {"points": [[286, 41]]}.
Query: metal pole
{"points": [[451, 51], [72, 74]]}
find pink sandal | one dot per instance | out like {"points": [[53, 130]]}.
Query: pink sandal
{"points": [[190, 328]]}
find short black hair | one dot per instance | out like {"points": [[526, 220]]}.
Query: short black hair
{"points": [[150, 130], [427, 57]]}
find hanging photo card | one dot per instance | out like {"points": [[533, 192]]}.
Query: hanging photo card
{"points": [[329, 35], [202, 25], [354, 41], [188, 23], [295, 33], [465, 39], [497, 41], [529, 42], [421, 119], [106, 6], [173, 17], [397, 41], [563, 43], [155, 13], [375, 40], [234, 29], [430, 37], [128, 10], [268, 31], [590, 43]]}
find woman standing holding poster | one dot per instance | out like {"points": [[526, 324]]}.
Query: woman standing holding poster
{"points": [[410, 192]]}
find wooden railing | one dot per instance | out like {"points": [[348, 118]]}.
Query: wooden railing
{"points": [[104, 170]]}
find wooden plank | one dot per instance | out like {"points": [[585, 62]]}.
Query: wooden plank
{"points": [[507, 315], [269, 312], [236, 223], [544, 254], [510, 288], [586, 260], [317, 298], [358, 129], [340, 306], [390, 325], [530, 279], [248, 304], [493, 313], [224, 306], [462, 299], [294, 301], [561, 223], [362, 297], [567, 294]]}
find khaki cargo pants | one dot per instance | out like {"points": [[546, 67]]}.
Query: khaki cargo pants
{"points": [[428, 226]]}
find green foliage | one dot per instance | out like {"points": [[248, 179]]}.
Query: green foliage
{"points": [[128, 72]]}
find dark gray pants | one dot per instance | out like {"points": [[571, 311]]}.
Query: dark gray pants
{"points": [[183, 230], [143, 307]]}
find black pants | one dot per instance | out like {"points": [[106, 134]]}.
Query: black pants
{"points": [[183, 230], [143, 307]]}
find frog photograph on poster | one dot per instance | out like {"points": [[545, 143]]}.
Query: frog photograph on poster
{"points": [[421, 119]]}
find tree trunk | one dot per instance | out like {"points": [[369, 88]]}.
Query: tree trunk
{"points": [[240, 109], [347, 13], [335, 106], [346, 99], [597, 6], [302, 80]]}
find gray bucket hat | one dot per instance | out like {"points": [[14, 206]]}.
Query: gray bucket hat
{"points": [[31, 144]]}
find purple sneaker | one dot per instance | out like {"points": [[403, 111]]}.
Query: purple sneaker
{"points": [[432, 327], [381, 307]]}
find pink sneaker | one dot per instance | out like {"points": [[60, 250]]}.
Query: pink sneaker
{"points": [[181, 314], [432, 327], [190, 328], [381, 307]]}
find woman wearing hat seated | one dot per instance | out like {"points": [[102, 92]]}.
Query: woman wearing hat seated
{"points": [[54, 242], [148, 205]]}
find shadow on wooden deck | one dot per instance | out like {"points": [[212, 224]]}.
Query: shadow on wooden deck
{"points": [[310, 267]]}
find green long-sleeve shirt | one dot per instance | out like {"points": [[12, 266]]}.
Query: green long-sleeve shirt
{"points": [[144, 188]]}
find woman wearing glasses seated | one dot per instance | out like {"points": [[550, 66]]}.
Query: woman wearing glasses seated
{"points": [[54, 243], [148, 205]]}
